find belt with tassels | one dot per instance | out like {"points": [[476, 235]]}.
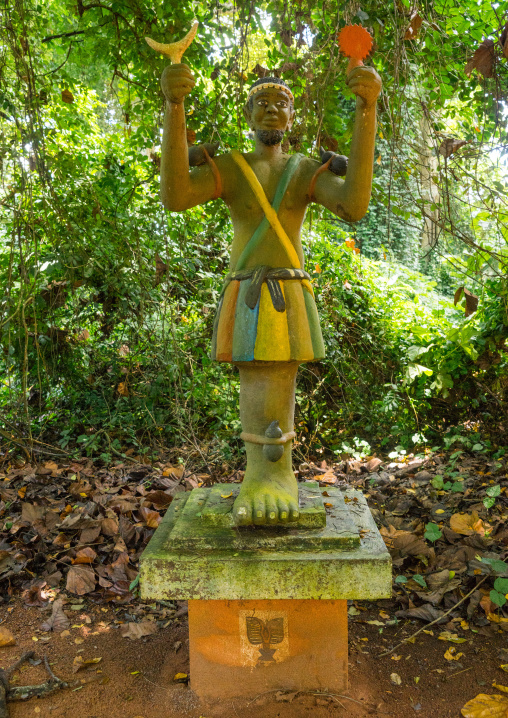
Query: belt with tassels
{"points": [[263, 273]]}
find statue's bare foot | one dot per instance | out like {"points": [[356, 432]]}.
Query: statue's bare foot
{"points": [[267, 498]]}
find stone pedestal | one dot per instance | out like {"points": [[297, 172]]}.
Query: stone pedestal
{"points": [[267, 606]]}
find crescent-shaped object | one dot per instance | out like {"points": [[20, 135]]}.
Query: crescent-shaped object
{"points": [[174, 50]]}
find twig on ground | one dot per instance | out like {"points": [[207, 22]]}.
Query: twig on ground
{"points": [[24, 658], [335, 696], [23, 693], [367, 706], [437, 620], [5, 675], [448, 678]]}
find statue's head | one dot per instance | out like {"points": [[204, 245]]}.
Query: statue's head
{"points": [[270, 109]]}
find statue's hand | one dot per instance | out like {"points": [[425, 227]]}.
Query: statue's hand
{"points": [[365, 83], [177, 82]]}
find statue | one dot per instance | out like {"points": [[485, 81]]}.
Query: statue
{"points": [[267, 322]]}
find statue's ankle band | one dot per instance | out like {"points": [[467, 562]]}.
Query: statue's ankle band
{"points": [[264, 440]]}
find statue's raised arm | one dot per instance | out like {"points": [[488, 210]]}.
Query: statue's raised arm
{"points": [[181, 190], [349, 198]]}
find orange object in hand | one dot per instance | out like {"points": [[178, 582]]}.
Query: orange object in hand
{"points": [[355, 42]]}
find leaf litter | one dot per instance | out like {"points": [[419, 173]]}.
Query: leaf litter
{"points": [[80, 529]]}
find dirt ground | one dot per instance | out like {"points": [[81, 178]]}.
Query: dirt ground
{"points": [[135, 678]]}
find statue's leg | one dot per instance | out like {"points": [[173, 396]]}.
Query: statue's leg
{"points": [[269, 492]]}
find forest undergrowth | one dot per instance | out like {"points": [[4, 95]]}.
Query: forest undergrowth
{"points": [[406, 368]]}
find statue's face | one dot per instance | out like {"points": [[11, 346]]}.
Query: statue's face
{"points": [[271, 110]]}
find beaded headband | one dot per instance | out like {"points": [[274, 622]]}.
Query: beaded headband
{"points": [[268, 86]]}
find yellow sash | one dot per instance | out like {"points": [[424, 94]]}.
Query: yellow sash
{"points": [[267, 208]]}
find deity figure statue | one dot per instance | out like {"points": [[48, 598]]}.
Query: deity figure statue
{"points": [[267, 322]]}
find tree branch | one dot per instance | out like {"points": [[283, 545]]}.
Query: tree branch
{"points": [[428, 625], [82, 8], [63, 34]]}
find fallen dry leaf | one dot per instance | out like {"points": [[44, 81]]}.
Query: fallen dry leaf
{"points": [[468, 524], [487, 605], [395, 679], [451, 654], [485, 706], [503, 689], [6, 637], [138, 630], [85, 555], [160, 499], [79, 662], [427, 612], [80, 580], [495, 618], [151, 518], [58, 621], [504, 40], [450, 145], [415, 24], [482, 60], [471, 300], [36, 596], [327, 478], [109, 526], [373, 464], [175, 471], [452, 637]]}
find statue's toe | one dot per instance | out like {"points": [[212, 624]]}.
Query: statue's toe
{"points": [[243, 513], [294, 511], [259, 511], [272, 513], [283, 511]]}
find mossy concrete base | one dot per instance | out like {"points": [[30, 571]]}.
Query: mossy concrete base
{"points": [[195, 556]]}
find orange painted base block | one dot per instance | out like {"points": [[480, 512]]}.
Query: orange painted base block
{"points": [[244, 648]]}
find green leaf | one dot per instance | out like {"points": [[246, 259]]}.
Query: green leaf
{"points": [[420, 580], [499, 566], [458, 486], [497, 598], [432, 532], [134, 583], [489, 502], [493, 490], [400, 579], [437, 482], [496, 564], [501, 585]]}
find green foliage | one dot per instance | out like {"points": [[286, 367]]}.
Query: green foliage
{"points": [[498, 594], [107, 302], [497, 566], [432, 532], [492, 493], [419, 580]]}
